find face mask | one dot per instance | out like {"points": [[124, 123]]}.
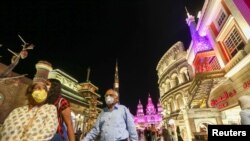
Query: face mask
{"points": [[39, 95], [109, 100]]}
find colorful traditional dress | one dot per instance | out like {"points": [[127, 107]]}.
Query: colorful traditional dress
{"points": [[36, 124]]}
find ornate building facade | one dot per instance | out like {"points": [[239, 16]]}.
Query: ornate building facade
{"points": [[152, 116], [83, 99], [216, 62]]}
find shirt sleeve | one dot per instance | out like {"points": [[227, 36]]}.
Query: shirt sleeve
{"points": [[64, 104], [131, 126], [94, 132], [7, 123]]}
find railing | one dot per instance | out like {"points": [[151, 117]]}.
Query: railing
{"points": [[197, 82], [235, 60], [205, 75]]}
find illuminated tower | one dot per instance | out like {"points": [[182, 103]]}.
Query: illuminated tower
{"points": [[116, 78], [140, 112], [205, 59], [150, 107], [42, 71], [201, 43], [139, 118]]}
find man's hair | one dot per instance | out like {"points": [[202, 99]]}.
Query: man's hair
{"points": [[244, 101], [116, 93]]}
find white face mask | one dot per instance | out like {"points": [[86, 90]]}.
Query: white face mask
{"points": [[109, 100]]}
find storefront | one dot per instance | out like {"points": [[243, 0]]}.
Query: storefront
{"points": [[225, 96]]}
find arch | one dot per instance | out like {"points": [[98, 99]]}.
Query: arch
{"points": [[184, 73], [172, 105], [168, 86], [162, 87], [179, 101], [174, 80]]}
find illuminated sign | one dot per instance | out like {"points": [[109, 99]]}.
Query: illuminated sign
{"points": [[221, 101]]}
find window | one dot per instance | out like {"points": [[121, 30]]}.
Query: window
{"points": [[180, 102], [234, 42], [214, 64], [172, 106], [221, 18]]}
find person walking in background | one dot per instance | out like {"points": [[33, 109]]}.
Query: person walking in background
{"points": [[179, 137], [244, 102], [147, 134], [78, 134], [64, 133], [166, 134], [33, 122], [114, 123], [171, 132], [153, 132]]}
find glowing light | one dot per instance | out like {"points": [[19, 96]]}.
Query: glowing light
{"points": [[152, 116], [171, 122], [200, 43]]}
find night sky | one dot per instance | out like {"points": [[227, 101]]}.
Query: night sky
{"points": [[78, 34]]}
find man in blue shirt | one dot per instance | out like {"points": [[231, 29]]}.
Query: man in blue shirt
{"points": [[115, 122], [244, 102]]}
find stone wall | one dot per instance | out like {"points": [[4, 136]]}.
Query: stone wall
{"points": [[12, 93]]}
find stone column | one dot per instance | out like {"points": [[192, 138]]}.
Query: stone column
{"points": [[182, 77]]}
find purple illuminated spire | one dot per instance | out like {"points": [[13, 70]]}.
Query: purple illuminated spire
{"points": [[150, 107], [139, 118], [151, 116], [200, 43], [139, 111]]}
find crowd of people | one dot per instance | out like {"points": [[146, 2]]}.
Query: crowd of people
{"points": [[165, 133]]}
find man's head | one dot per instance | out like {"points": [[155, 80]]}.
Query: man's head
{"points": [[244, 102], [111, 97]]}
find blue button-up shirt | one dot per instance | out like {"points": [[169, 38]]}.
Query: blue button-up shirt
{"points": [[114, 125]]}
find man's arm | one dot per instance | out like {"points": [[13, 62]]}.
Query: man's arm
{"points": [[94, 132], [244, 118], [131, 126]]}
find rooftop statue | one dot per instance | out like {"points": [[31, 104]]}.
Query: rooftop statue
{"points": [[15, 59]]}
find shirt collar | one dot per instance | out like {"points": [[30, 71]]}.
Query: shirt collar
{"points": [[115, 107]]}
